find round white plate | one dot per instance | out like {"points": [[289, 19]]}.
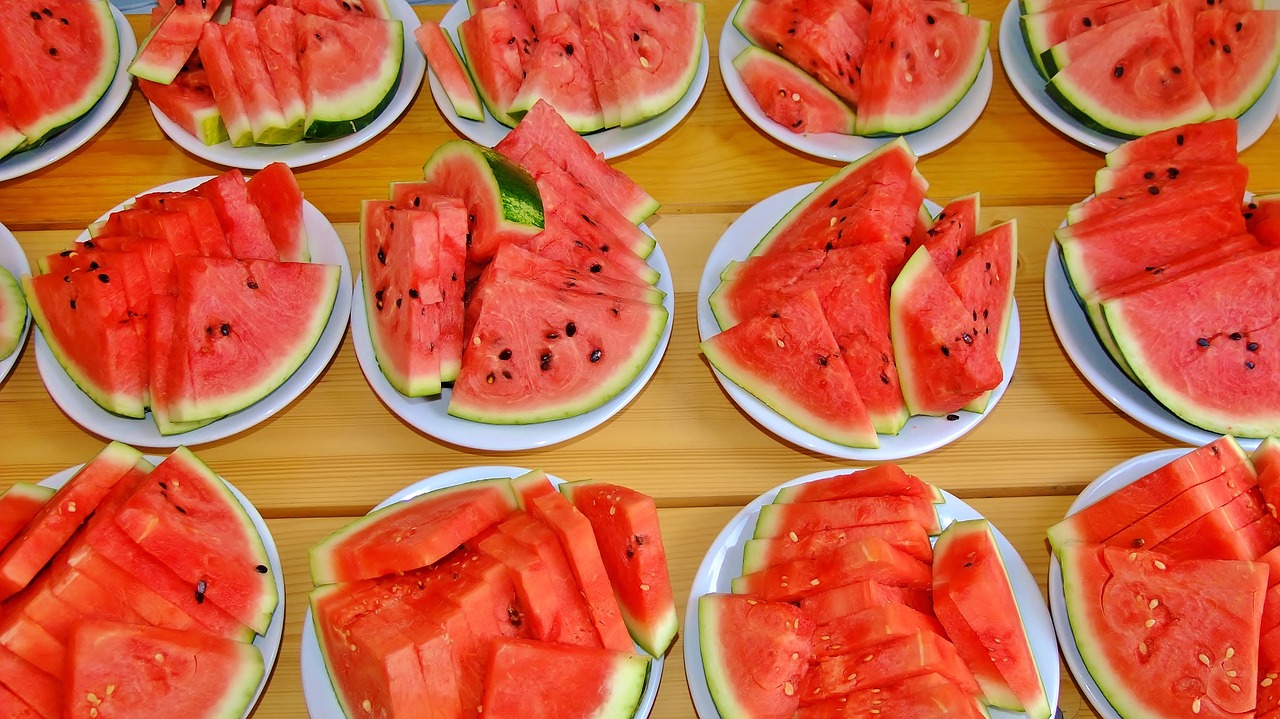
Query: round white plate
{"points": [[318, 691], [613, 142], [1030, 86], [83, 129], [1117, 477], [723, 562], [847, 148], [430, 415], [13, 259], [325, 247], [1081, 344], [301, 154], [921, 434], [268, 644]]}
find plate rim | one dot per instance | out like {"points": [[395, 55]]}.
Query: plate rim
{"points": [[269, 644], [725, 547], [416, 412], [87, 126], [1016, 60], [89, 416], [924, 141], [315, 677], [256, 157], [601, 141], [757, 220]]}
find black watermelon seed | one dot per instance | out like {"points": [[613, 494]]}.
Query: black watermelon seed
{"points": [[53, 52], [570, 329], [595, 355], [967, 339], [1253, 205], [1252, 346], [553, 335], [225, 329], [1176, 70], [1153, 190], [180, 509], [104, 279], [546, 362], [1148, 175], [201, 588], [66, 278], [822, 361], [946, 351], [1202, 342], [635, 37], [320, 38], [1181, 139], [1248, 365], [399, 300], [656, 8], [506, 373], [35, 15], [93, 265], [1172, 172], [1119, 71], [88, 245], [1248, 215], [1087, 22], [884, 378], [568, 50], [65, 253], [73, 304], [1235, 336], [929, 19], [596, 268], [504, 355], [262, 568], [47, 12], [1213, 42], [952, 417], [1239, 26], [382, 256], [1226, 48], [252, 284], [413, 292], [833, 202]]}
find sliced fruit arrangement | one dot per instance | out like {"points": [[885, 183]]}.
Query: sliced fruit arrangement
{"points": [[859, 309], [599, 63], [202, 300], [134, 590], [879, 67], [844, 609], [560, 313], [275, 73], [1169, 584], [495, 593], [1134, 67], [57, 59], [1178, 280]]}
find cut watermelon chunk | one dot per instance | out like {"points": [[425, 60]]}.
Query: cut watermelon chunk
{"points": [[869, 558], [778, 520], [952, 230], [1184, 509], [227, 95], [854, 632], [1236, 54], [266, 117], [498, 42], [239, 217], [880, 480], [444, 61], [1048, 28], [1209, 142], [166, 48], [855, 598], [559, 76], [40, 691], [189, 101], [653, 72], [754, 653], [18, 505], [277, 29], [825, 39], [909, 537], [525, 678], [274, 191], [790, 97], [350, 70], [983, 280], [886, 664]]}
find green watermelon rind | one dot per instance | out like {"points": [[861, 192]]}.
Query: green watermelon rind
{"points": [[314, 598], [637, 109], [289, 360], [510, 188], [364, 102], [1074, 101], [1034, 37], [624, 689], [495, 108], [715, 664], [55, 123], [13, 313]]}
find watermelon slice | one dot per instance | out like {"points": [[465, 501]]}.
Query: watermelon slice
{"points": [[952, 230], [522, 680], [983, 280], [274, 191], [790, 97], [909, 537], [1051, 27], [887, 664], [249, 66], [754, 653], [851, 599], [349, 69], [853, 632], [1236, 55], [1207, 142], [560, 76], [825, 39], [446, 63], [880, 480], [498, 42], [779, 520], [189, 101], [226, 91], [869, 558], [18, 505], [166, 48], [13, 313], [277, 29]]}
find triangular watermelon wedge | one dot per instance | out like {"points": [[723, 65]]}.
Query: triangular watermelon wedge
{"points": [[559, 73], [166, 48], [1236, 55], [983, 278]]}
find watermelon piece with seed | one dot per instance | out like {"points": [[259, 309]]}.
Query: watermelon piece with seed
{"points": [[1185, 508], [40, 691], [909, 537], [277, 30], [1236, 55], [886, 664], [919, 64], [983, 279], [974, 601], [777, 520], [170, 42], [443, 59], [855, 598], [789, 359], [350, 69], [1189, 342], [1211, 142], [368, 547], [274, 191], [870, 558], [1139, 186], [515, 261], [18, 505], [854, 632], [626, 528], [825, 39], [239, 217], [266, 116], [790, 97], [189, 101], [755, 654], [121, 587], [923, 695], [560, 76], [952, 230], [880, 480], [1048, 28], [498, 42], [227, 96], [524, 678]]}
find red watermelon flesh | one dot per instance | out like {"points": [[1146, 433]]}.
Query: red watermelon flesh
{"points": [[274, 191], [595, 30], [515, 261], [790, 97], [855, 632], [943, 362], [1164, 194], [983, 279], [573, 240], [137, 257], [444, 61], [870, 558], [890, 662], [817, 37], [1053, 26], [1182, 510], [499, 43], [12, 706], [63, 514], [790, 360], [40, 691], [1261, 535], [30, 641], [880, 480], [166, 48], [1217, 321], [953, 229], [189, 101], [543, 127], [241, 220], [124, 588], [909, 537], [1218, 534], [174, 228], [336, 10], [560, 76], [627, 530], [210, 239], [755, 653], [1130, 503], [1236, 53], [492, 610], [1162, 174], [1238, 246], [526, 678], [851, 599], [922, 695], [1211, 142], [750, 287], [266, 117], [1262, 218], [222, 82], [536, 536], [18, 505], [277, 30], [1271, 558], [531, 485], [249, 9], [155, 672], [778, 520], [1065, 52], [1120, 599]]}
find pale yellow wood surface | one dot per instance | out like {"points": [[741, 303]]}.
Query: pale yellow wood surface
{"points": [[687, 533]]}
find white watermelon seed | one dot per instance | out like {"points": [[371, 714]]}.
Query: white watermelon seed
{"points": [[814, 583], [1232, 673], [781, 343], [366, 705], [1195, 706], [1266, 682], [644, 587], [784, 584], [71, 506], [795, 656], [1153, 604], [789, 688], [93, 712], [613, 511], [793, 537], [1160, 565], [93, 698], [1235, 687], [1204, 660], [1149, 623], [644, 62], [834, 647], [826, 637], [159, 658], [1231, 652], [111, 689], [1142, 647], [795, 96], [937, 52]]}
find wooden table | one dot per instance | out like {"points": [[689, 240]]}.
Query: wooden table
{"points": [[337, 450]]}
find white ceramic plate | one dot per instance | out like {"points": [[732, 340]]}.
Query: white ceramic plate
{"points": [[613, 142], [1030, 86], [921, 434], [268, 644], [301, 154], [325, 247], [83, 129], [847, 148], [1081, 344], [14, 260], [430, 415], [322, 700], [1117, 477], [723, 562]]}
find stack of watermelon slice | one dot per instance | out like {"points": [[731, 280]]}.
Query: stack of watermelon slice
{"points": [[1132, 67], [859, 309], [1171, 585], [497, 597], [1179, 283], [133, 591], [203, 301], [844, 609], [275, 73], [57, 59], [599, 63], [562, 314], [879, 67]]}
